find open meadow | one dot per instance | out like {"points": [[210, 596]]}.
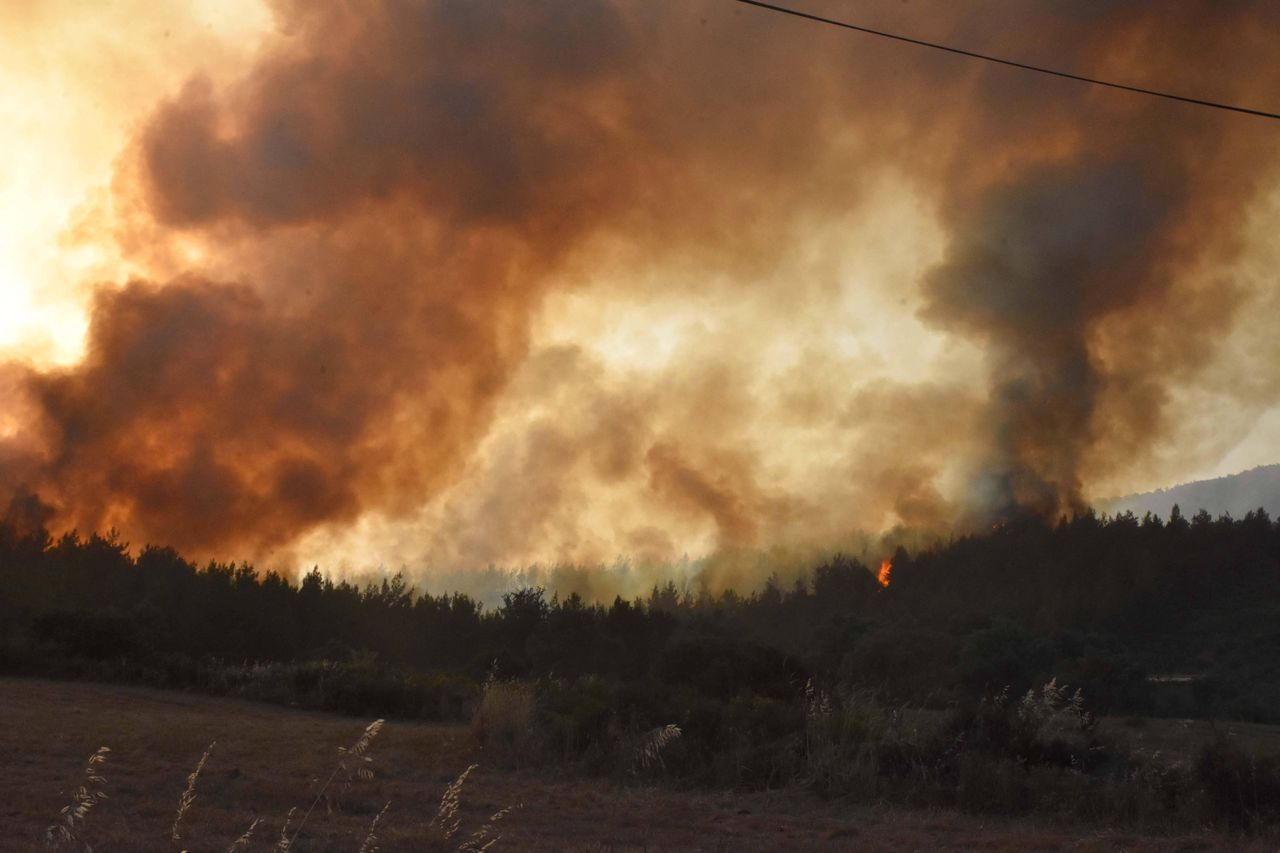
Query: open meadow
{"points": [[268, 760]]}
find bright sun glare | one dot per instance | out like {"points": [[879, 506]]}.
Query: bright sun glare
{"points": [[70, 95]]}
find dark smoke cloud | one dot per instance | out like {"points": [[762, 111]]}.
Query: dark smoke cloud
{"points": [[1046, 262], [389, 196], [1028, 272]]}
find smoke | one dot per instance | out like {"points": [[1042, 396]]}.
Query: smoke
{"points": [[1031, 270], [485, 282], [1113, 232]]}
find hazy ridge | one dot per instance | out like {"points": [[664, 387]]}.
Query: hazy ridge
{"points": [[1236, 495]]}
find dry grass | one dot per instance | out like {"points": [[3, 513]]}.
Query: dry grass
{"points": [[448, 819], [648, 752], [354, 762], [370, 843], [354, 765], [246, 838], [1173, 741], [487, 835], [282, 844], [503, 721], [269, 758], [188, 795], [66, 831]]}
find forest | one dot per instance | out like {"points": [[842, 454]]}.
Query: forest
{"points": [[1146, 616], [1092, 616]]}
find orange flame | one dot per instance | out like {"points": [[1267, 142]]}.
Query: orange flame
{"points": [[886, 569]]}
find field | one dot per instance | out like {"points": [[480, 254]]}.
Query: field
{"points": [[268, 760]]}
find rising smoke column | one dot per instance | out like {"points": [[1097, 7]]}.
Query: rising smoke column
{"points": [[388, 196], [1076, 268], [1032, 269]]}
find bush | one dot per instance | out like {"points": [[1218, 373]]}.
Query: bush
{"points": [[723, 669], [503, 722], [1240, 790]]}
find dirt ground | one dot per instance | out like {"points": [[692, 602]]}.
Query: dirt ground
{"points": [[268, 759]]}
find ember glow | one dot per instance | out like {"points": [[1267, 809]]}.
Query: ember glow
{"points": [[452, 284], [886, 573]]}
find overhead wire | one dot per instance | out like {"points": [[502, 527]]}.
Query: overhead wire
{"points": [[1025, 66]]}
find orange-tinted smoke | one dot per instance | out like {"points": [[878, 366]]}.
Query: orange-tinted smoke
{"points": [[389, 194], [384, 198]]}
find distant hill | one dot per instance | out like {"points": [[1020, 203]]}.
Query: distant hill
{"points": [[1236, 495]]}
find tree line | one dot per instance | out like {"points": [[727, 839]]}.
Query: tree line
{"points": [[1147, 616]]}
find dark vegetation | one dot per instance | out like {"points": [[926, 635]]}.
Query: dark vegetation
{"points": [[945, 688]]}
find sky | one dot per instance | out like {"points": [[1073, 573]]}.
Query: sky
{"points": [[450, 284]]}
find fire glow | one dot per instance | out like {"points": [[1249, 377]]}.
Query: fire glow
{"points": [[263, 298], [885, 573]]}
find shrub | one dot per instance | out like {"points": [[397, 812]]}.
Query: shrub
{"points": [[1240, 789], [579, 720], [722, 669], [503, 722]]}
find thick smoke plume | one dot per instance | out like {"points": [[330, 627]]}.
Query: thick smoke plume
{"points": [[351, 251]]}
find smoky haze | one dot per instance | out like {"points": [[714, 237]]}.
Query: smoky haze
{"points": [[388, 203]]}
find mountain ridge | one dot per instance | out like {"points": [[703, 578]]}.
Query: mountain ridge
{"points": [[1233, 494]]}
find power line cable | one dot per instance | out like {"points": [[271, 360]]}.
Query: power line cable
{"points": [[1009, 62]]}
